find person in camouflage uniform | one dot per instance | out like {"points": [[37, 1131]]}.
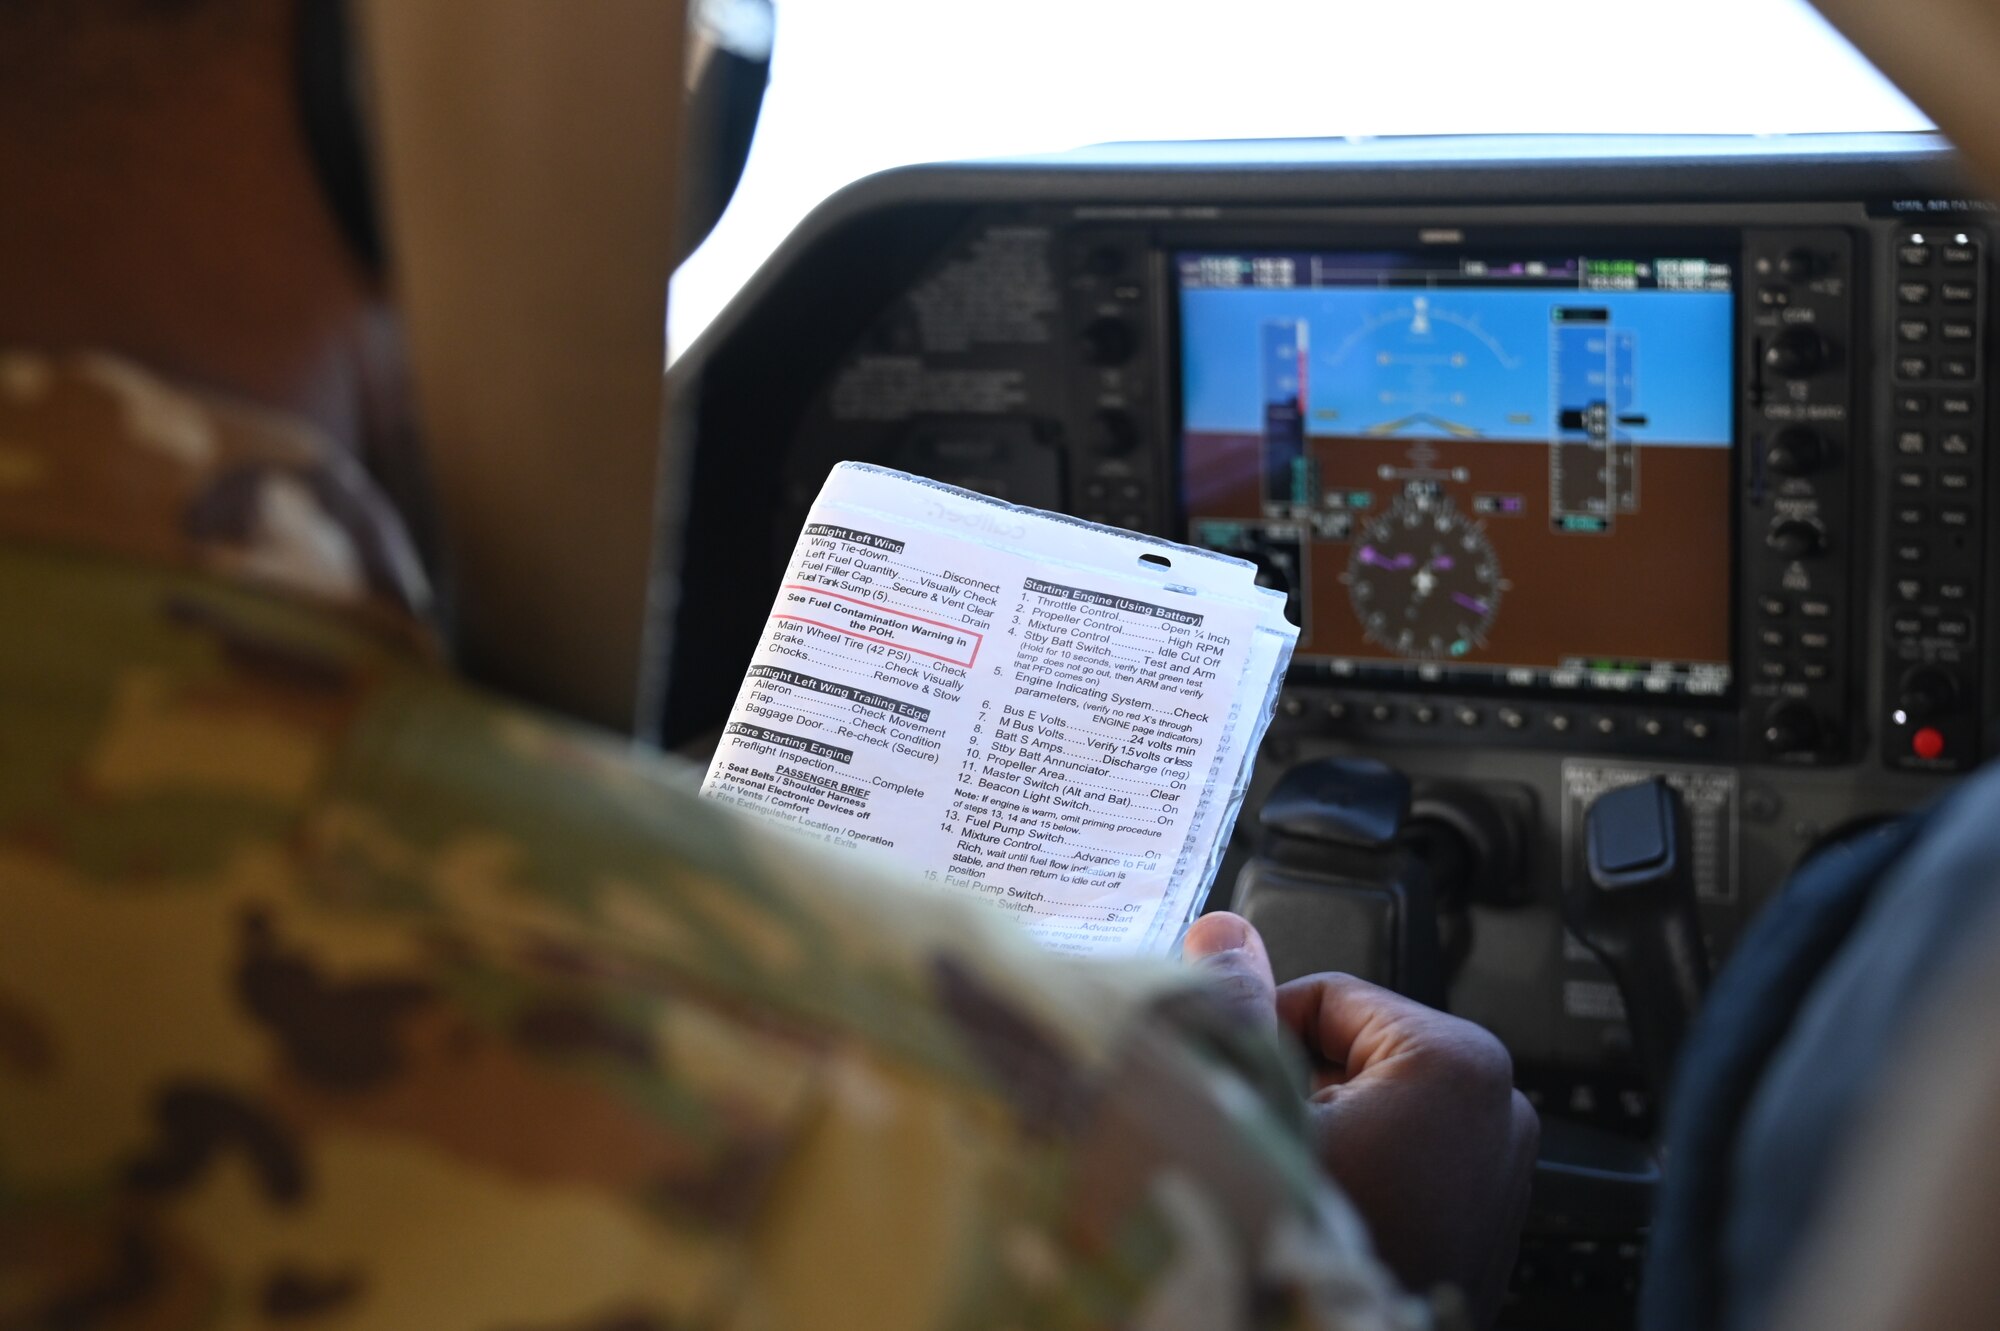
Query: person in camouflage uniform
{"points": [[334, 993]]}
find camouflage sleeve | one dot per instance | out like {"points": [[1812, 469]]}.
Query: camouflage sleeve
{"points": [[333, 994], [984, 1134], [1156, 1189]]}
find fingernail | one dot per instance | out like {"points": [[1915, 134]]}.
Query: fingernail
{"points": [[1222, 932]]}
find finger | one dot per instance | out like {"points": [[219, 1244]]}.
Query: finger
{"points": [[1338, 1018], [1226, 949], [1353, 1025]]}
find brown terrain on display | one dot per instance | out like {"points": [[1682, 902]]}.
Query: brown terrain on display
{"points": [[1653, 588]]}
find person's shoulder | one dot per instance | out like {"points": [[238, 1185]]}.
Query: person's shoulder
{"points": [[302, 939]]}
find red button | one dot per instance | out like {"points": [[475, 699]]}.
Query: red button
{"points": [[1927, 744]]}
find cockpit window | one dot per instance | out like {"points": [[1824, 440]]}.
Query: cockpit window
{"points": [[858, 86]]}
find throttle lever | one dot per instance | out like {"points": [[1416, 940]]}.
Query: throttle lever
{"points": [[1334, 886], [1636, 912]]}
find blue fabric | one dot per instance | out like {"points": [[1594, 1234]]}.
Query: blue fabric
{"points": [[1840, 1054], [1745, 1020]]}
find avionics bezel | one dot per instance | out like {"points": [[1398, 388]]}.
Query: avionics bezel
{"points": [[1445, 243]]}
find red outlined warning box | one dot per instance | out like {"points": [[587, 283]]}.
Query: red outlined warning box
{"points": [[851, 616]]}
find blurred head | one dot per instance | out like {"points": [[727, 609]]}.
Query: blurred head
{"points": [[166, 202], [163, 200], [164, 205]]}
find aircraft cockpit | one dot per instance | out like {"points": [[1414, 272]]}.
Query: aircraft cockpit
{"points": [[1072, 664], [1629, 494]]}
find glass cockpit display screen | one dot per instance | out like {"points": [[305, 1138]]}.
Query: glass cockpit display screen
{"points": [[1498, 470]]}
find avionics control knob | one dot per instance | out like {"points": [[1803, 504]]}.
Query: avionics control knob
{"points": [[1109, 341], [1797, 353], [1796, 538], [1925, 693], [1792, 728], [1797, 451]]}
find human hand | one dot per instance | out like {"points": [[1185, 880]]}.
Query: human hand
{"points": [[1412, 1112]]}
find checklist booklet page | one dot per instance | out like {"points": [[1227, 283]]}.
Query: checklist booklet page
{"points": [[1052, 716]]}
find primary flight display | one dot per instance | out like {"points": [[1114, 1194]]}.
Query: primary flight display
{"points": [[1467, 468]]}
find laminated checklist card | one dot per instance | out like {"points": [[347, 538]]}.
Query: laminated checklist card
{"points": [[1051, 715]]}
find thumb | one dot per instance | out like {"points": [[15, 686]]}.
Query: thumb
{"points": [[1227, 950]]}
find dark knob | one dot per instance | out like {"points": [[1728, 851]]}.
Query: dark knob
{"points": [[1796, 451], [1799, 265], [1796, 353], [1109, 341], [1117, 432], [1926, 692], [1796, 538], [1792, 727]]}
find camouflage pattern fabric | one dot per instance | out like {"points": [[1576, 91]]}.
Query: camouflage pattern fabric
{"points": [[334, 994]]}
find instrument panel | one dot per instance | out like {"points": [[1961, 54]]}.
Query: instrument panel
{"points": [[1579, 460]]}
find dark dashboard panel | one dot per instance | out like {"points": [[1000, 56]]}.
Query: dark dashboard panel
{"points": [[1788, 464]]}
